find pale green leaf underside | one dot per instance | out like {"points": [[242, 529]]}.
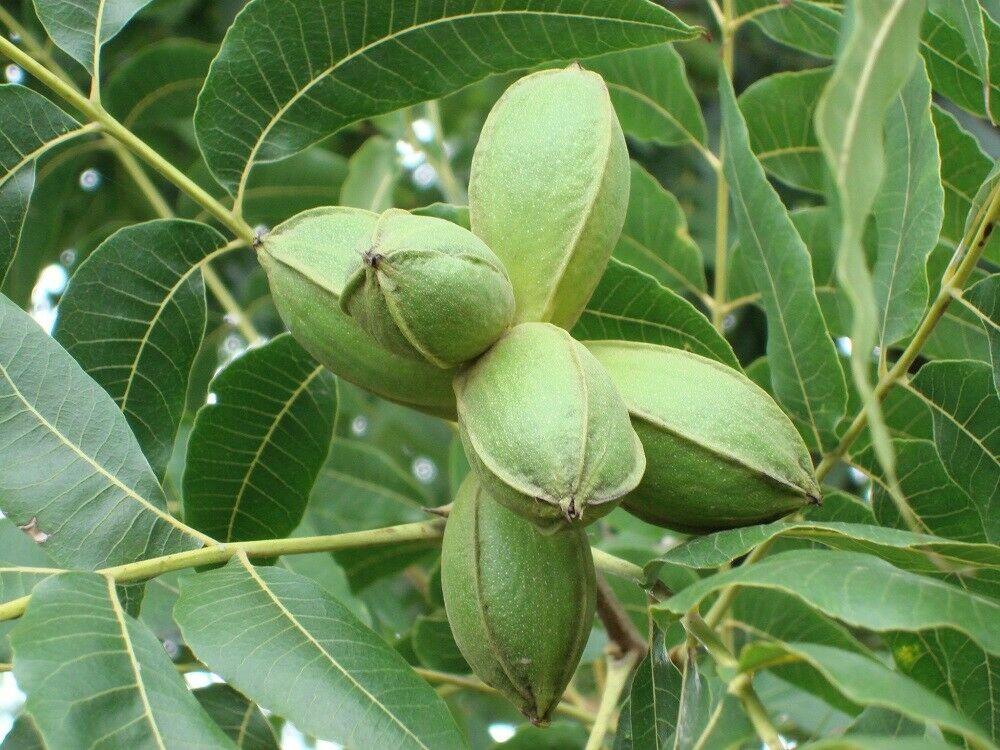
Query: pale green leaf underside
{"points": [[373, 172], [902, 548], [263, 629], [74, 472], [861, 590], [865, 682], [97, 678], [290, 73], [984, 300]]}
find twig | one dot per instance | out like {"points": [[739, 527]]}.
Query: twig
{"points": [[720, 290], [619, 627], [618, 670]]}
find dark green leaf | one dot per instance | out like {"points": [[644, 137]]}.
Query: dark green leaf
{"points": [[655, 237], [630, 305], [81, 27], [238, 717], [159, 85], [22, 736], [263, 629], [32, 125], [778, 111], [435, 645], [955, 668], [964, 167], [805, 371], [861, 590], [95, 676], [560, 735], [808, 26], [651, 95], [984, 300], [257, 447], [134, 317], [74, 474], [942, 506], [372, 174], [966, 410], [280, 84], [655, 698], [966, 17], [952, 68], [908, 211]]}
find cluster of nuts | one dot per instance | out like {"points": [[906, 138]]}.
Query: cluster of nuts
{"points": [[473, 326]]}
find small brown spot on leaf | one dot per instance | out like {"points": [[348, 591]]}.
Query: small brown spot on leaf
{"points": [[32, 529]]}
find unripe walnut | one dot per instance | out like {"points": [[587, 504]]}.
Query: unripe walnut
{"points": [[520, 604], [549, 189], [427, 288], [545, 428], [307, 260], [721, 453]]}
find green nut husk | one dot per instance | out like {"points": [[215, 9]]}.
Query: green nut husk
{"points": [[307, 259], [721, 453], [520, 604], [549, 189], [428, 289], [545, 429]]}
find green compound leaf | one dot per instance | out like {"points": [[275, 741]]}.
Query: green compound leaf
{"points": [[651, 94], [97, 677], [858, 589], [291, 73], [805, 371], [630, 305], [74, 474], [778, 111], [81, 27], [865, 682], [264, 629], [655, 237], [32, 125], [902, 548], [908, 210], [256, 449], [134, 318]]}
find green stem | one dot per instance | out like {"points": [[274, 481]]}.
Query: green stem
{"points": [[740, 685], [267, 548], [96, 113], [6, 668], [721, 186], [473, 683], [451, 188], [618, 672]]}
